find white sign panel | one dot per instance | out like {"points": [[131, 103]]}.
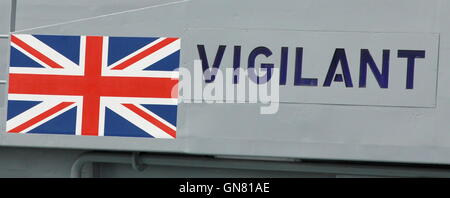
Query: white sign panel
{"points": [[352, 68]]}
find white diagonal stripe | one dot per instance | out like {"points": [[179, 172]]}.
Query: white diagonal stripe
{"points": [[155, 116], [47, 51], [136, 52], [29, 55], [138, 121], [155, 56], [33, 112], [48, 102]]}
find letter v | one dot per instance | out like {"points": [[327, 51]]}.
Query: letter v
{"points": [[210, 73]]}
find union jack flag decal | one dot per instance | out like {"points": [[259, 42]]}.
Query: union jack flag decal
{"points": [[93, 85]]}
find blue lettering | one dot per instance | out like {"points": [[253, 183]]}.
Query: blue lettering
{"points": [[251, 65], [283, 65], [236, 63], [208, 73], [338, 57], [411, 55], [298, 80], [367, 60]]}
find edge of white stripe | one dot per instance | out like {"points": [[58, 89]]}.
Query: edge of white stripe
{"points": [[155, 116], [136, 52], [137, 120], [48, 102], [155, 56], [47, 51]]}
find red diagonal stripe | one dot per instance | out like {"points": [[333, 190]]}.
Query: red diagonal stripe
{"points": [[151, 119], [144, 53], [34, 52], [40, 117]]}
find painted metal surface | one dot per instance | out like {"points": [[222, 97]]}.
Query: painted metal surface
{"points": [[297, 130], [5, 7]]}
